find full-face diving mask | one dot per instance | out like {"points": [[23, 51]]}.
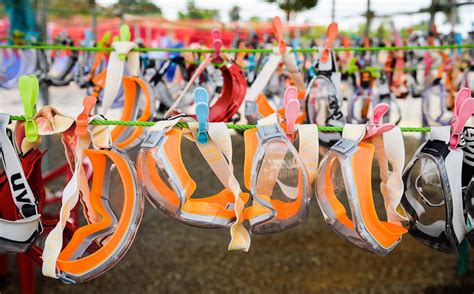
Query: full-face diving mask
{"points": [[433, 196], [112, 211], [278, 176], [171, 189], [353, 156], [20, 226]]}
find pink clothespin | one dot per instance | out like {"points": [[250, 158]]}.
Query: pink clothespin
{"points": [[374, 127], [292, 110], [332, 31], [217, 44], [82, 119], [463, 110], [278, 32], [428, 61]]}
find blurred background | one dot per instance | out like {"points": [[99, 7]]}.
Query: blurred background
{"points": [[167, 256]]}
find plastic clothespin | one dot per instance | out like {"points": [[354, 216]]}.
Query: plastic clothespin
{"points": [[88, 37], [332, 32], [278, 32], [458, 41], [82, 119], [201, 98], [124, 37], [104, 42], [292, 110], [463, 110], [374, 127], [29, 88], [217, 44]]}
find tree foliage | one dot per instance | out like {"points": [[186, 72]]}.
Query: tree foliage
{"points": [[291, 6], [234, 13], [194, 12]]}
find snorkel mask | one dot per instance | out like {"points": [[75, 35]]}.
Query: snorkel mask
{"points": [[233, 89], [433, 197], [353, 155], [19, 223], [139, 99], [323, 95], [257, 104], [170, 187], [97, 246], [278, 176]]}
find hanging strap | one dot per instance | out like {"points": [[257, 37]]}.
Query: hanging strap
{"points": [[309, 148], [218, 154], [76, 187], [390, 149], [122, 51], [21, 192]]}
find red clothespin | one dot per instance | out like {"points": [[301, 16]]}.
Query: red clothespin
{"points": [[292, 110], [217, 44], [374, 127], [332, 31], [346, 42], [82, 119], [463, 110], [278, 32]]}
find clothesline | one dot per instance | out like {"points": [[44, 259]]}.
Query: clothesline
{"points": [[240, 127], [301, 50]]}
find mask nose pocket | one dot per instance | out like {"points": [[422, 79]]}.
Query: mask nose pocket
{"points": [[280, 186]]}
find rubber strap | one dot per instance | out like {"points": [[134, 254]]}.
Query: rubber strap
{"points": [[115, 70], [309, 148], [220, 142], [21, 192]]}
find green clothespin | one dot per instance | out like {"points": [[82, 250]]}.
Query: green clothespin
{"points": [[125, 36], [29, 87], [105, 39], [374, 71], [352, 66]]}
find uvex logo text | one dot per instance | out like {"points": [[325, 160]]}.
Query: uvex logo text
{"points": [[19, 188]]}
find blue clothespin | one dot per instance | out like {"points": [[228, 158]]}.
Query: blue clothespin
{"points": [[88, 38], [201, 98], [458, 41]]}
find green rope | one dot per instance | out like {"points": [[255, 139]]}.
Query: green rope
{"points": [[302, 50], [239, 127]]}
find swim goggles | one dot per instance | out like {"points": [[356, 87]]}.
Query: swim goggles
{"points": [[278, 176], [353, 156], [172, 190], [19, 216], [433, 197], [139, 96], [97, 246]]}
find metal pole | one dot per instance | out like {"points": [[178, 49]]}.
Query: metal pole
{"points": [[333, 11], [369, 19], [94, 19]]}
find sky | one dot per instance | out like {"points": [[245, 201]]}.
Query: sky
{"points": [[321, 14]]}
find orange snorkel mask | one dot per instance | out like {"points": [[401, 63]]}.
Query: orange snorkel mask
{"points": [[78, 254], [170, 187], [99, 245], [354, 154], [139, 101], [278, 176]]}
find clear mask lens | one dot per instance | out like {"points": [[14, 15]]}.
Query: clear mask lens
{"points": [[280, 184]]}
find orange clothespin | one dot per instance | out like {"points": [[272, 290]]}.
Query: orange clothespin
{"points": [[331, 35], [82, 119], [278, 32]]}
